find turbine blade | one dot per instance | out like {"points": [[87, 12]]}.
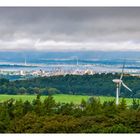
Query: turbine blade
{"points": [[126, 87], [122, 71]]}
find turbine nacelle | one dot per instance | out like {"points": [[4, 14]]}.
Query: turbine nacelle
{"points": [[117, 81]]}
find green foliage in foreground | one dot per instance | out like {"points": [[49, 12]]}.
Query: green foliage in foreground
{"points": [[49, 116], [62, 98]]}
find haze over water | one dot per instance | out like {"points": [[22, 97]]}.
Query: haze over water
{"points": [[50, 61]]}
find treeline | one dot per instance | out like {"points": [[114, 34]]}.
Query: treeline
{"points": [[97, 84], [51, 117]]}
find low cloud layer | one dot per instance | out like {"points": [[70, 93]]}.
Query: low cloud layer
{"points": [[65, 29]]}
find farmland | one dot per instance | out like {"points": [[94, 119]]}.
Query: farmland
{"points": [[62, 98]]}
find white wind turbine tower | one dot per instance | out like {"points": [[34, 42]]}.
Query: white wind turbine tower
{"points": [[76, 58], [120, 82]]}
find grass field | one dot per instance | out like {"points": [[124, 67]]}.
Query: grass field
{"points": [[76, 99]]}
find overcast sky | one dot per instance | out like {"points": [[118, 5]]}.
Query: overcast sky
{"points": [[69, 29]]}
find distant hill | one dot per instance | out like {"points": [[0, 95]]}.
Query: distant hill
{"points": [[36, 56], [98, 84]]}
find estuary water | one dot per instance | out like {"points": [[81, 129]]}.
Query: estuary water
{"points": [[106, 65]]}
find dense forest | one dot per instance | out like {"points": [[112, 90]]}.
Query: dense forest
{"points": [[48, 116], [51, 117], [97, 84]]}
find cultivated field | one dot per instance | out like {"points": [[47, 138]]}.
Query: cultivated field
{"points": [[76, 99]]}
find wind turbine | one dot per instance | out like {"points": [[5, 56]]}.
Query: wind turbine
{"points": [[76, 58], [118, 83]]}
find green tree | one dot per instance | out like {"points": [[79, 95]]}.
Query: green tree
{"points": [[27, 107], [37, 105], [109, 108], [52, 91], [135, 104], [2, 127], [36, 90], [3, 89], [83, 103], [26, 124], [94, 106], [118, 128], [44, 91], [18, 109], [49, 105], [66, 109], [22, 90], [122, 105]]}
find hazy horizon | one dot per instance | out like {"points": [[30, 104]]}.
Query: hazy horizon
{"points": [[83, 55]]}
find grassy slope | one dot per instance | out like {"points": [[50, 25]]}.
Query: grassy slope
{"points": [[59, 98]]}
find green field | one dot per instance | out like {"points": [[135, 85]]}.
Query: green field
{"points": [[63, 98]]}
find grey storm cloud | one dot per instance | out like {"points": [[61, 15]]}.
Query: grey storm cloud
{"points": [[70, 28]]}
